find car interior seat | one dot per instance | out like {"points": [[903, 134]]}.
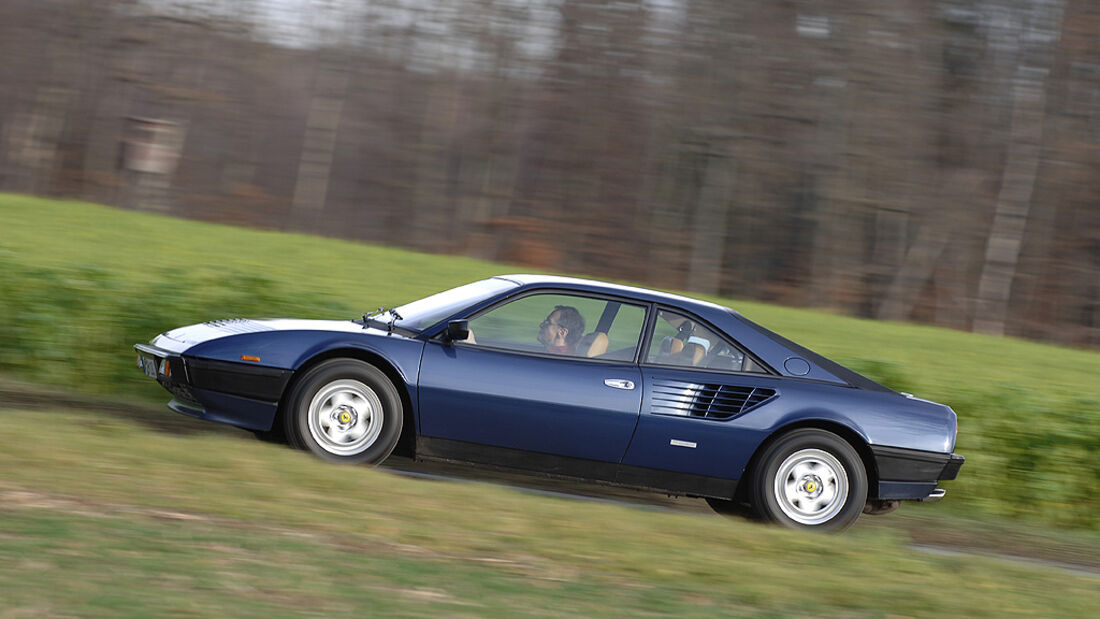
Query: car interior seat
{"points": [[675, 351], [692, 353], [675, 345], [593, 345]]}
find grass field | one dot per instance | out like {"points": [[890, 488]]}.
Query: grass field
{"points": [[134, 251], [80, 283], [103, 517]]}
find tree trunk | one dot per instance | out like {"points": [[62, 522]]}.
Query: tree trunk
{"points": [[315, 165], [1037, 37], [920, 262], [1006, 235], [709, 226]]}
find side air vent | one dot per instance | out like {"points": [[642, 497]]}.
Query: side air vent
{"points": [[238, 325], [685, 399]]}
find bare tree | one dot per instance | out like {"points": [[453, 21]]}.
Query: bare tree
{"points": [[1038, 34], [323, 121], [911, 161]]}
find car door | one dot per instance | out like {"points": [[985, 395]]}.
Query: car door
{"points": [[505, 388], [698, 387]]}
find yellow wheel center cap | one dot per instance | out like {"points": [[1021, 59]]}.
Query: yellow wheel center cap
{"points": [[345, 417], [811, 486]]}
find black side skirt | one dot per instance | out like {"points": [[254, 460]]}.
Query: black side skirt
{"points": [[549, 465]]}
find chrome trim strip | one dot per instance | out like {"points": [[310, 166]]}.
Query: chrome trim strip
{"points": [[678, 443]]}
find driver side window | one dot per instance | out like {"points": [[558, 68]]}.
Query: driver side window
{"points": [[681, 341], [562, 324]]}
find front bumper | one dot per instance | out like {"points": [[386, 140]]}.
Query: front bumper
{"points": [[168, 369], [912, 474], [240, 395]]}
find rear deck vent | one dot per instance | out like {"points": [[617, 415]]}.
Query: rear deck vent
{"points": [[685, 399]]}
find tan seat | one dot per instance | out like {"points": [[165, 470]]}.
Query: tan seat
{"points": [[675, 351], [675, 345], [593, 345], [693, 353]]}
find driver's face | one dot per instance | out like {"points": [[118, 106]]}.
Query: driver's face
{"points": [[549, 328]]}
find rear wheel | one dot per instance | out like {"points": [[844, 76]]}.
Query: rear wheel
{"points": [[810, 479], [344, 410]]}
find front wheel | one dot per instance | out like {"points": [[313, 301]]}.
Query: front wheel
{"points": [[344, 410], [810, 479]]}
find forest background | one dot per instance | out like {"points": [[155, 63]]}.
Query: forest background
{"points": [[935, 162]]}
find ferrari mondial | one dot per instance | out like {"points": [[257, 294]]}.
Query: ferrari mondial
{"points": [[577, 378]]}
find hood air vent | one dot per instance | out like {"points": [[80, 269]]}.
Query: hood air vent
{"points": [[238, 325], [706, 401]]}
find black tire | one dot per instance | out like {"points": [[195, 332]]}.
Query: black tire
{"points": [[344, 410], [810, 479]]}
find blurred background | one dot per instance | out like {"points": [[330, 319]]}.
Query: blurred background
{"points": [[920, 161], [927, 161]]}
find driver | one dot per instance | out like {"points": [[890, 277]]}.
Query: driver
{"points": [[561, 330]]}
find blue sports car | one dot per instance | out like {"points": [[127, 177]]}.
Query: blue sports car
{"points": [[577, 378]]}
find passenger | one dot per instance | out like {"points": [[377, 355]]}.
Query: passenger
{"points": [[561, 330]]}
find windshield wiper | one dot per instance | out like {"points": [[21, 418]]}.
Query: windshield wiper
{"points": [[394, 317], [370, 318]]}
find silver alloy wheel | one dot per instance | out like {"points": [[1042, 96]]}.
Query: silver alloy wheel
{"points": [[345, 417], [811, 486]]}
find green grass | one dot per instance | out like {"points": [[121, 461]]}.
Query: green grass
{"points": [[100, 517], [80, 283]]}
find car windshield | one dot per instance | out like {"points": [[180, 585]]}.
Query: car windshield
{"points": [[419, 315]]}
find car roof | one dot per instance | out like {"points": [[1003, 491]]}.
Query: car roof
{"points": [[591, 285]]}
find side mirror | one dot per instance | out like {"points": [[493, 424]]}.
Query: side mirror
{"points": [[458, 330]]}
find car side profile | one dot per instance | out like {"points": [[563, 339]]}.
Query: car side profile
{"points": [[578, 378]]}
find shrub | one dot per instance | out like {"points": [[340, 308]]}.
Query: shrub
{"points": [[77, 327]]}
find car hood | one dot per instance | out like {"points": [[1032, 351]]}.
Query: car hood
{"points": [[182, 338]]}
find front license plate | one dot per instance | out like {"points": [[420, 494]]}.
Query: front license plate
{"points": [[149, 366]]}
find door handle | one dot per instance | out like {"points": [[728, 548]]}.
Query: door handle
{"points": [[619, 383]]}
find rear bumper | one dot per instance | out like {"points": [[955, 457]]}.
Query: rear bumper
{"points": [[912, 474], [236, 394]]}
